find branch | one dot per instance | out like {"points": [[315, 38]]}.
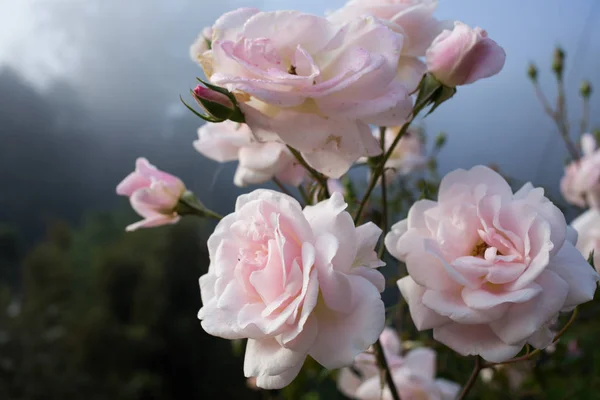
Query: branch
{"points": [[314, 173], [386, 368], [472, 379], [380, 168]]}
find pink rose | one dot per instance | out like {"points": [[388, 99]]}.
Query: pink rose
{"points": [[153, 194], [581, 183], [416, 22], [489, 270], [201, 45], [311, 83], [464, 55], [295, 283], [258, 162], [587, 226], [413, 373]]}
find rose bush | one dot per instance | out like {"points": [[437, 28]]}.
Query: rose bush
{"points": [[489, 270]]}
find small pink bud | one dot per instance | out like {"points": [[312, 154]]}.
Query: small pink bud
{"points": [[203, 93], [464, 55], [153, 194]]}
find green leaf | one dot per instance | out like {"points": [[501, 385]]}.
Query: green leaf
{"points": [[204, 117]]}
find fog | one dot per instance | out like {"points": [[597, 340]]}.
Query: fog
{"points": [[88, 86]]}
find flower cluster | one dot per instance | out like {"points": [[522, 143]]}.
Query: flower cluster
{"points": [[316, 83], [413, 372], [298, 99]]}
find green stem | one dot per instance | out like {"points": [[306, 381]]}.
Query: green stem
{"points": [[386, 368], [380, 168], [585, 116], [304, 195], [384, 203], [189, 205], [472, 379], [315, 174], [558, 118]]}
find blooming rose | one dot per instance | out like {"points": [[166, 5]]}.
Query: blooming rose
{"points": [[201, 45], [153, 194], [311, 83], [581, 183], [587, 226], [489, 270], [295, 283], [258, 162], [464, 55], [413, 373], [416, 22]]}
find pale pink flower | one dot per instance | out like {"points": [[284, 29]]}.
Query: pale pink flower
{"points": [[311, 83], [489, 270], [334, 185], [413, 373], [258, 162], [201, 45], [408, 155], [581, 183], [295, 283], [153, 194], [464, 55], [416, 22], [587, 226]]}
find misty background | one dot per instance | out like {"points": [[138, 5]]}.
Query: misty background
{"points": [[88, 86]]}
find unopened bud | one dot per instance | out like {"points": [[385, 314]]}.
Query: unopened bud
{"points": [[558, 62], [440, 140], [201, 93], [596, 134], [585, 89], [532, 72], [219, 103]]}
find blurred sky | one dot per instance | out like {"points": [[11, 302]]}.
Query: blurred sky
{"points": [[128, 62]]}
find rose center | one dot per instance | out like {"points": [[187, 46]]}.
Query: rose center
{"points": [[479, 249]]}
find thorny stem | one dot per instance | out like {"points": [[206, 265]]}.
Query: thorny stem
{"points": [[384, 203], [558, 117], [386, 368], [472, 379], [380, 168], [315, 174]]}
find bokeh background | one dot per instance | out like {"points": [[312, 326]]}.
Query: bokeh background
{"points": [[86, 86]]}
